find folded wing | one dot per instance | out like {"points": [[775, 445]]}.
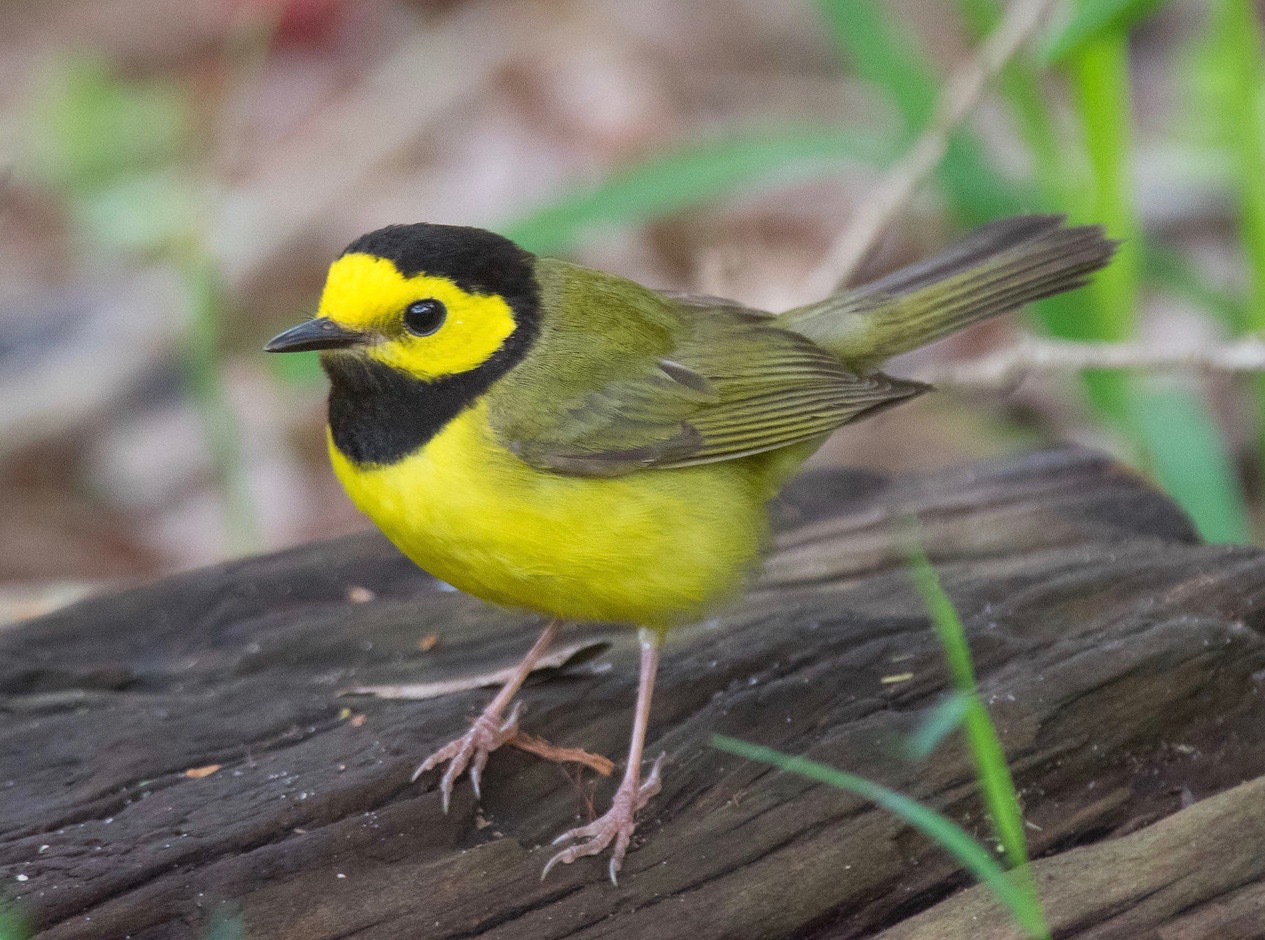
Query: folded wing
{"points": [[733, 384]]}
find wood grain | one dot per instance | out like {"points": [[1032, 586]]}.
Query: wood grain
{"points": [[1122, 660]]}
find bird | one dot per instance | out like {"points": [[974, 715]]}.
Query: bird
{"points": [[550, 437]]}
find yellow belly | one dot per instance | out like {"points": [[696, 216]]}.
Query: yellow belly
{"points": [[653, 548]]}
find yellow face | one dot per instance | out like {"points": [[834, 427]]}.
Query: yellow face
{"points": [[424, 325]]}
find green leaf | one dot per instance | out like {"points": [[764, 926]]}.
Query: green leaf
{"points": [[1190, 459], [691, 175], [944, 719], [1090, 21], [951, 837], [89, 127]]}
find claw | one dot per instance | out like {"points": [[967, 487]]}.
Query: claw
{"points": [[617, 825], [510, 727], [471, 750], [489, 732]]}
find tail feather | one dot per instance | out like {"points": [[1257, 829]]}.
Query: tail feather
{"points": [[996, 269]]}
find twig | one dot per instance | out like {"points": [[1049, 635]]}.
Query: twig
{"points": [[542, 748], [1008, 367], [956, 101], [556, 658]]}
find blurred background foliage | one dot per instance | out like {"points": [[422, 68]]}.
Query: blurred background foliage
{"points": [[177, 175]]}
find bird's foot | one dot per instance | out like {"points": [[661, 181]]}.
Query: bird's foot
{"points": [[617, 825], [471, 750]]}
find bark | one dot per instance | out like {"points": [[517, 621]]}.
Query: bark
{"points": [[1121, 659]]}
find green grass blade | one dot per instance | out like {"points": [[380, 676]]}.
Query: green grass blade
{"points": [[944, 719], [118, 152], [1238, 32], [1090, 21], [205, 385], [694, 174], [1171, 271], [13, 926], [881, 54], [955, 840], [996, 785], [1100, 72], [977, 192], [225, 922], [1202, 481], [708, 170], [1021, 88]]}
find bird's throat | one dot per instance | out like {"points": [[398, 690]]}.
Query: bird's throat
{"points": [[379, 415]]}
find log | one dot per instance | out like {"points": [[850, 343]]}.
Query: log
{"points": [[180, 756]]}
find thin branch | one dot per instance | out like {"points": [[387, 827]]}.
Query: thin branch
{"points": [[958, 99], [1008, 367], [556, 658], [575, 755]]}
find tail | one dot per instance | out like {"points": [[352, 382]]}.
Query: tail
{"points": [[996, 269]]}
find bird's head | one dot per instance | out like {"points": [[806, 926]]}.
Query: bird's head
{"points": [[430, 301]]}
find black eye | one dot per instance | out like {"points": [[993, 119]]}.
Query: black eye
{"points": [[424, 317]]}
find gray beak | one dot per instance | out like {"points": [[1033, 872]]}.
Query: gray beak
{"points": [[320, 333]]}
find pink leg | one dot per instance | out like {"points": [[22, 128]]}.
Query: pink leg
{"points": [[618, 823], [489, 732]]}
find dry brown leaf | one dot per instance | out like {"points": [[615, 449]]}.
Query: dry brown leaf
{"points": [[197, 773]]}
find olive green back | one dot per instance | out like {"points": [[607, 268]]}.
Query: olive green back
{"points": [[623, 378]]}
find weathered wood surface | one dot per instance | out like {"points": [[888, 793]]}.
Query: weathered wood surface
{"points": [[1122, 659]]}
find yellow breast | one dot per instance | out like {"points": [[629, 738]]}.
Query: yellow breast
{"points": [[653, 548]]}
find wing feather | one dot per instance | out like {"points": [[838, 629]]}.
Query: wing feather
{"points": [[731, 384]]}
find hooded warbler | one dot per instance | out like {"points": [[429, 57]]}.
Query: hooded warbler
{"points": [[546, 436]]}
